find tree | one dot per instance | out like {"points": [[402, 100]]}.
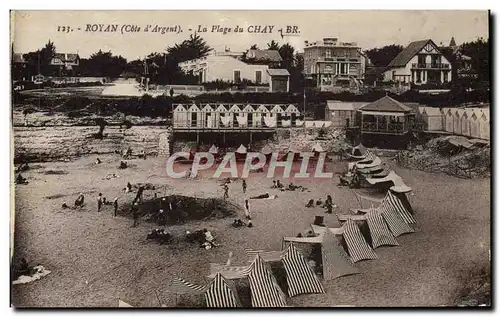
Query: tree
{"points": [[381, 57], [254, 47], [104, 64], [287, 54], [479, 52], [39, 62], [273, 45], [192, 48]]}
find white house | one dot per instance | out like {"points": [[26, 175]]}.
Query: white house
{"points": [[419, 63], [231, 69], [226, 68]]}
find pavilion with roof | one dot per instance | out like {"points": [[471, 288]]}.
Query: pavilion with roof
{"points": [[386, 116]]}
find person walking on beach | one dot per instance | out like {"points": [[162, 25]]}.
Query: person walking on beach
{"points": [[99, 202], [226, 191], [247, 210], [244, 186], [139, 195], [135, 214], [115, 206]]}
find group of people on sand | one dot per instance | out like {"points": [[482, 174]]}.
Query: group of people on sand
{"points": [[350, 178], [328, 204]]}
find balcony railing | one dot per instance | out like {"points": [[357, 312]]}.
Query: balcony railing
{"points": [[396, 128], [431, 65]]}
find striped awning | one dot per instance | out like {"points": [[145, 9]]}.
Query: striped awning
{"points": [[317, 239], [181, 286], [379, 231], [352, 217], [398, 205], [356, 243], [263, 285], [393, 219], [300, 276], [219, 294], [267, 256]]}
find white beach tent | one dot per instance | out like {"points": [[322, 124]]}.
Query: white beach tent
{"points": [[241, 149], [457, 123], [474, 119], [449, 119], [432, 118]]}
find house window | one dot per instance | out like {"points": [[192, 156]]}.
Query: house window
{"points": [[419, 76], [393, 75], [343, 69], [328, 53], [237, 76], [258, 76], [421, 59], [445, 77]]}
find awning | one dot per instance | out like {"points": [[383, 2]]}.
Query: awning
{"points": [[376, 113]]}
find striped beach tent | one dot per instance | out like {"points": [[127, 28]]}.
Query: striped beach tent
{"points": [[181, 286], [356, 243], [264, 287], [219, 294], [395, 203], [394, 221], [379, 232], [336, 262], [300, 276]]}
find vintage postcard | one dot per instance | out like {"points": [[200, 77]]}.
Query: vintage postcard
{"points": [[228, 159]]}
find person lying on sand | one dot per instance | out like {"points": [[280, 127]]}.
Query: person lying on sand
{"points": [[274, 184], [97, 161], [262, 196], [123, 165], [64, 205], [209, 239], [110, 176], [278, 184], [20, 180], [310, 204], [23, 167], [319, 202], [237, 223]]}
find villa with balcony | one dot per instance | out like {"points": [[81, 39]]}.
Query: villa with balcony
{"points": [[419, 63], [334, 65]]}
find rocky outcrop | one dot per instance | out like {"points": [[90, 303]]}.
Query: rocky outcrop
{"points": [[66, 142]]}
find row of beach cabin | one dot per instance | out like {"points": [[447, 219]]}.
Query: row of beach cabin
{"points": [[236, 116], [469, 122]]}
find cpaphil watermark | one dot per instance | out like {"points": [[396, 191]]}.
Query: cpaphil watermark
{"points": [[311, 164]]}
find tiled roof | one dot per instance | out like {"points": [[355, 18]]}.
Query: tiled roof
{"points": [[278, 72], [347, 106], [407, 54], [386, 104], [264, 55]]}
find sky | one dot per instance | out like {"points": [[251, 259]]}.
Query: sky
{"points": [[31, 30]]}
